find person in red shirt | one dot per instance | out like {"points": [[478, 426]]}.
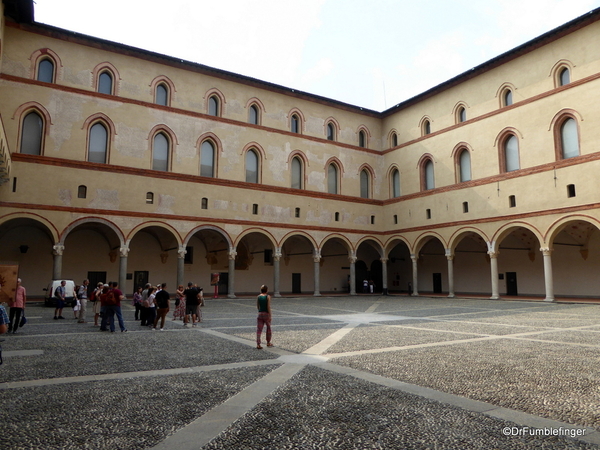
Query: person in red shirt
{"points": [[17, 307]]}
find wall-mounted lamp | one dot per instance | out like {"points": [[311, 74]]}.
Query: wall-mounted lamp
{"points": [[23, 248]]}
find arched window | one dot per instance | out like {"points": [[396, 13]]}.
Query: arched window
{"points": [[295, 124], [395, 183], [569, 139], [214, 106], [461, 115], [253, 115], [207, 159], [31, 134], [105, 83], [464, 163], [425, 127], [98, 143], [160, 153], [362, 139], [429, 176], [332, 179], [394, 140], [297, 173], [330, 132], [507, 97], [365, 181], [149, 198], [511, 153], [82, 191], [162, 95], [46, 71], [564, 76], [251, 166]]}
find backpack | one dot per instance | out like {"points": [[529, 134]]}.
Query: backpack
{"points": [[110, 298], [93, 296]]}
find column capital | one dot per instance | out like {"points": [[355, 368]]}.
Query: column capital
{"points": [[317, 255], [124, 251], [181, 252], [232, 253], [493, 254], [58, 249], [384, 260], [352, 259], [449, 254], [414, 257], [277, 254], [546, 251]]}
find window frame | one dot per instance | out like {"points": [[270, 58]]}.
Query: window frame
{"points": [[99, 82], [336, 172], [22, 131], [169, 150], [257, 175], [558, 124], [90, 129]]}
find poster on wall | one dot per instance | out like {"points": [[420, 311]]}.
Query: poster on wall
{"points": [[8, 282]]}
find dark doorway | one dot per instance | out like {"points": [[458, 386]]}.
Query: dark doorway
{"points": [[223, 283], [95, 278], [362, 273], [511, 283], [437, 283], [140, 278], [376, 275], [296, 283]]}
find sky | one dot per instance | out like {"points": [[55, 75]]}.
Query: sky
{"points": [[369, 53]]}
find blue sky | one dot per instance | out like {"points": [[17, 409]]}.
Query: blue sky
{"points": [[373, 53]]}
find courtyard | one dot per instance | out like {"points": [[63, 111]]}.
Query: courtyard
{"points": [[345, 372]]}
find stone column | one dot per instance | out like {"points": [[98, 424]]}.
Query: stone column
{"points": [[123, 253], [384, 274], [450, 258], [548, 278], [181, 265], [317, 260], [352, 258], [494, 274], [57, 251], [276, 260], [231, 278], [414, 258]]}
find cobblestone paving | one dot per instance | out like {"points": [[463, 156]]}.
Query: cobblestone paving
{"points": [[66, 385]]}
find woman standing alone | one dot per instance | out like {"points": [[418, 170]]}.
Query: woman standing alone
{"points": [[263, 303]]}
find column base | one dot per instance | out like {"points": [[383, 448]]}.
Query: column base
{"points": [[317, 294], [495, 297], [276, 294], [450, 295], [231, 296], [549, 299]]}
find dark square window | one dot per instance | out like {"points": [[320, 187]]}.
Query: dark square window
{"points": [[570, 190]]}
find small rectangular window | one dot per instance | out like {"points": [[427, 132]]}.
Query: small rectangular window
{"points": [[372, 220], [297, 212], [395, 219], [189, 255], [570, 190], [268, 256], [255, 209], [512, 201], [428, 213], [337, 216], [82, 191], [149, 198], [14, 184], [465, 207], [204, 203]]}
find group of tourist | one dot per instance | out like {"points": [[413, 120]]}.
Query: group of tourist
{"points": [[152, 304]]}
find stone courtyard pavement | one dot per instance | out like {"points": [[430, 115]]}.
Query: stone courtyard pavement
{"points": [[346, 372]]}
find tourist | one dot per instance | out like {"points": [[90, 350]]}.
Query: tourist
{"points": [[191, 304], [263, 303], [59, 295], [17, 307], [137, 302], [82, 296], [179, 312], [162, 303]]}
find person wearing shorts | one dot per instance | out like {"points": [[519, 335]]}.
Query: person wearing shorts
{"points": [[191, 304]]}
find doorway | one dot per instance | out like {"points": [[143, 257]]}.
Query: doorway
{"points": [[437, 283], [511, 283], [296, 283]]}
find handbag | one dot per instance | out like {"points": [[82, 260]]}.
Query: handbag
{"points": [[23, 320]]}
